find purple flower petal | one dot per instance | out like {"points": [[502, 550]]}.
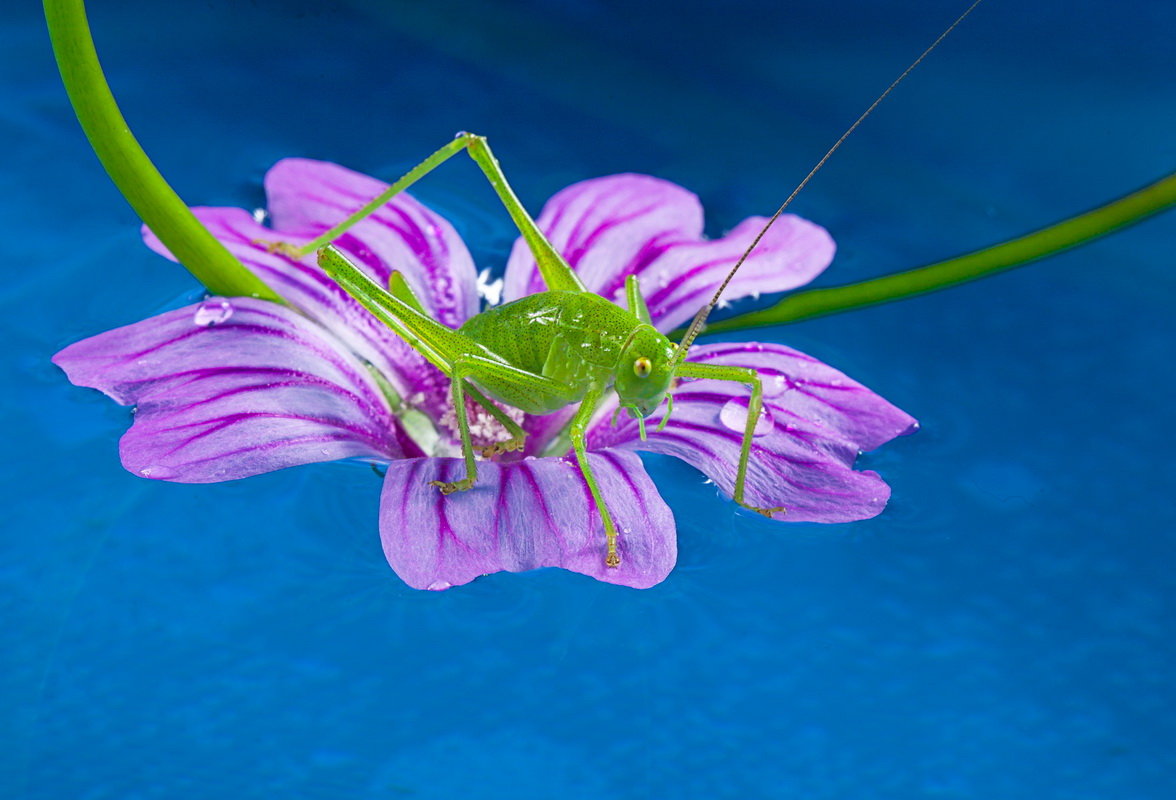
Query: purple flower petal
{"points": [[307, 198], [524, 515], [608, 228], [302, 283], [231, 388], [813, 390], [818, 421]]}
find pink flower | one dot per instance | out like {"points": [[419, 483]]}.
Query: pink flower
{"points": [[233, 387]]}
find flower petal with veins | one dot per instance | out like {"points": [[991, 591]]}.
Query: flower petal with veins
{"points": [[817, 421], [611, 227], [520, 516], [261, 390]]}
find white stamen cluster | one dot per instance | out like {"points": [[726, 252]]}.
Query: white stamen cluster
{"points": [[484, 429]]}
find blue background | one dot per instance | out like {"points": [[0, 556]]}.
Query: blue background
{"points": [[1004, 629]]}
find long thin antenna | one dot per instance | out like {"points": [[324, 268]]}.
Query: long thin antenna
{"points": [[700, 318]]}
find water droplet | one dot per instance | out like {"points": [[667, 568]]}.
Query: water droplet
{"points": [[213, 311], [460, 134], [734, 416], [437, 586], [776, 385], [156, 472]]}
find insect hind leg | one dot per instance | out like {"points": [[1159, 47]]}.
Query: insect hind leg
{"points": [[552, 266]]}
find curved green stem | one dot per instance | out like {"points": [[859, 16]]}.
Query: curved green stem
{"points": [[1069, 233], [128, 166]]}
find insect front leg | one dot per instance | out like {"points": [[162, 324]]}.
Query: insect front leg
{"points": [[748, 377]]}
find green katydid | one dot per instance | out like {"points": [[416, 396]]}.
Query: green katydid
{"points": [[549, 350]]}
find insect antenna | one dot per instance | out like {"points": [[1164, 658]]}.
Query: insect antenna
{"points": [[700, 318]]}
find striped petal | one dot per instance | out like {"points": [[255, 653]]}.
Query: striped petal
{"points": [[230, 388], [307, 197], [817, 421], [608, 228], [524, 515], [309, 289]]}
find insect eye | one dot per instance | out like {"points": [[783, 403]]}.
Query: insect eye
{"points": [[642, 367]]}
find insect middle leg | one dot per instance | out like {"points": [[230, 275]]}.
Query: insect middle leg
{"points": [[512, 379], [398, 287], [577, 430], [502, 376], [401, 310], [748, 377]]}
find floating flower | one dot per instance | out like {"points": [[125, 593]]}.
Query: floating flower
{"points": [[233, 387]]}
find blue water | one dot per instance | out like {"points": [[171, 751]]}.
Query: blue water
{"points": [[1004, 629]]}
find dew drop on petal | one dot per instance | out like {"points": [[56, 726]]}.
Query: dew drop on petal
{"points": [[775, 385], [439, 585], [213, 311], [734, 416]]}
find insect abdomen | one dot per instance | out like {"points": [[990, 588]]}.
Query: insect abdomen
{"points": [[520, 332]]}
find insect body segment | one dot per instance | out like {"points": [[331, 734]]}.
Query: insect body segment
{"points": [[576, 338]]}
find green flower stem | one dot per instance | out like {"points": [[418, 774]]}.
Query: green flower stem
{"points": [[1056, 238], [128, 166]]}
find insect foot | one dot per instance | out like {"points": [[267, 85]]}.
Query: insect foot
{"points": [[767, 512], [455, 486], [507, 446], [282, 248]]}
